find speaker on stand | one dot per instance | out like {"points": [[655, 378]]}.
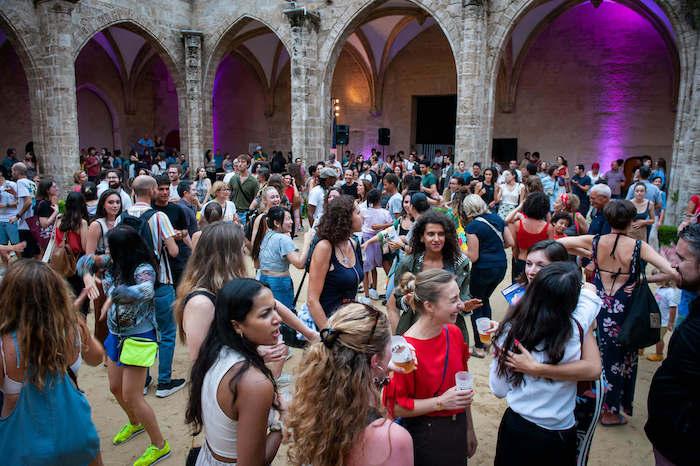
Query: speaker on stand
{"points": [[342, 138], [384, 139]]}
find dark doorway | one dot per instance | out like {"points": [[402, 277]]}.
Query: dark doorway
{"points": [[436, 118], [504, 150]]}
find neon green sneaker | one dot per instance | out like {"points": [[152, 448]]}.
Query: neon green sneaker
{"points": [[127, 432], [153, 454]]}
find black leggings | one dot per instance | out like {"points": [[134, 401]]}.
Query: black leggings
{"points": [[523, 443], [438, 440]]}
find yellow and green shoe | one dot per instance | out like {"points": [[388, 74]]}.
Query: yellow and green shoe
{"points": [[127, 432], [153, 454]]}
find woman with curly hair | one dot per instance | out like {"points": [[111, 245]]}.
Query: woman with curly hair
{"points": [[434, 246], [345, 424], [436, 414], [336, 268], [569, 203]]}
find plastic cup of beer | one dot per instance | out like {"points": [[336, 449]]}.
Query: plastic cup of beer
{"points": [[483, 324], [464, 380], [401, 354]]}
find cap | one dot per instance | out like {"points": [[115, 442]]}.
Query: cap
{"points": [[595, 165], [258, 147], [328, 172]]}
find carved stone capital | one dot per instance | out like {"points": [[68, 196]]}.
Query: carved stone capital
{"points": [[302, 17]]}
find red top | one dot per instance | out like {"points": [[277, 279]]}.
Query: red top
{"points": [[695, 199], [289, 192], [526, 240], [423, 383], [73, 241]]}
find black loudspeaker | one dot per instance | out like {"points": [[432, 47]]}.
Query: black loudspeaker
{"points": [[342, 135], [384, 137]]}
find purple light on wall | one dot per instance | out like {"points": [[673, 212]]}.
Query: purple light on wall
{"points": [[621, 38]]}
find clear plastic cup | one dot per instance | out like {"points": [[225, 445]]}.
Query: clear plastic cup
{"points": [[464, 380], [483, 324], [401, 354]]}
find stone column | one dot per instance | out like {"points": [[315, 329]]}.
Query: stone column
{"points": [[307, 117], [471, 143], [58, 145], [191, 104], [684, 174]]}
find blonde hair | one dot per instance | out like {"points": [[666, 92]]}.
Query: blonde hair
{"points": [[217, 259], [41, 315], [407, 283], [429, 286], [326, 423], [216, 187], [473, 206]]}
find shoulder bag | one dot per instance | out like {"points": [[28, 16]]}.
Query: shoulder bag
{"points": [[642, 325]]}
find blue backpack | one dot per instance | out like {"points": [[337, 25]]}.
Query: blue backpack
{"points": [[51, 426]]}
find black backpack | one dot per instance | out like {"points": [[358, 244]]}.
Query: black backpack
{"points": [[140, 224]]}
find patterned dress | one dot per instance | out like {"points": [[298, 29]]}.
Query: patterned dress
{"points": [[619, 363]]}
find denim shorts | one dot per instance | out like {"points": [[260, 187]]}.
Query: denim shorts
{"points": [[112, 343]]}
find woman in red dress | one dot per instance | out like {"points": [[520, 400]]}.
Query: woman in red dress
{"points": [[436, 414]]}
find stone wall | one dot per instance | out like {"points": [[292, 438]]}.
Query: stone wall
{"points": [[48, 35], [595, 86], [433, 74], [15, 111]]}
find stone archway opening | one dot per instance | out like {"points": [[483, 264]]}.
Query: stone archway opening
{"points": [[15, 112], [393, 68], [251, 92], [125, 91], [593, 81]]}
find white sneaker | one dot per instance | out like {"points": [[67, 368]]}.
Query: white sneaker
{"points": [[373, 294], [364, 300]]}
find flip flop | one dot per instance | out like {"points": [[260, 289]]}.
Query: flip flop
{"points": [[621, 421], [478, 352]]}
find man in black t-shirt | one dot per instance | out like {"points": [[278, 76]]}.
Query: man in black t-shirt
{"points": [[673, 426], [179, 221], [349, 186]]}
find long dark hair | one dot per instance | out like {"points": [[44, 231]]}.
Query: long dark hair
{"points": [[42, 191], [127, 251], [450, 251], [233, 303], [100, 211], [74, 213], [542, 317]]}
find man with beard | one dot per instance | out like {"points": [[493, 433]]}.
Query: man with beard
{"points": [[114, 181], [673, 426]]}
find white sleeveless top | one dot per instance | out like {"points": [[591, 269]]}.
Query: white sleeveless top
{"points": [[510, 196], [220, 430]]}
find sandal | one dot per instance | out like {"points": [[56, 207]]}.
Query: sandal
{"points": [[478, 352], [621, 421]]}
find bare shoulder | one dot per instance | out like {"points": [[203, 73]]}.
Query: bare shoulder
{"points": [[253, 383], [382, 433]]}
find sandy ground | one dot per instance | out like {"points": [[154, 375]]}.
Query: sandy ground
{"points": [[626, 445]]}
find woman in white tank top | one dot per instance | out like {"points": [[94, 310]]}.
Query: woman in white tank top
{"points": [[230, 383], [511, 194]]}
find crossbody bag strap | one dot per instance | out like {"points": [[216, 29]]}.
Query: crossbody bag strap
{"points": [[495, 230], [240, 186], [447, 359]]}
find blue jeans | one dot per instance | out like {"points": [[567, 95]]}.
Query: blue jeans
{"points": [[164, 298], [9, 233], [482, 283], [282, 288]]}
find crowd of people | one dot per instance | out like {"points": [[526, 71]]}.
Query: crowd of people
{"points": [[158, 250]]}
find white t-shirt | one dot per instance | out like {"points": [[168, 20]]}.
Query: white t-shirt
{"points": [[549, 403], [126, 199], [173, 192], [667, 298], [229, 211], [7, 198], [25, 188], [316, 196]]}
